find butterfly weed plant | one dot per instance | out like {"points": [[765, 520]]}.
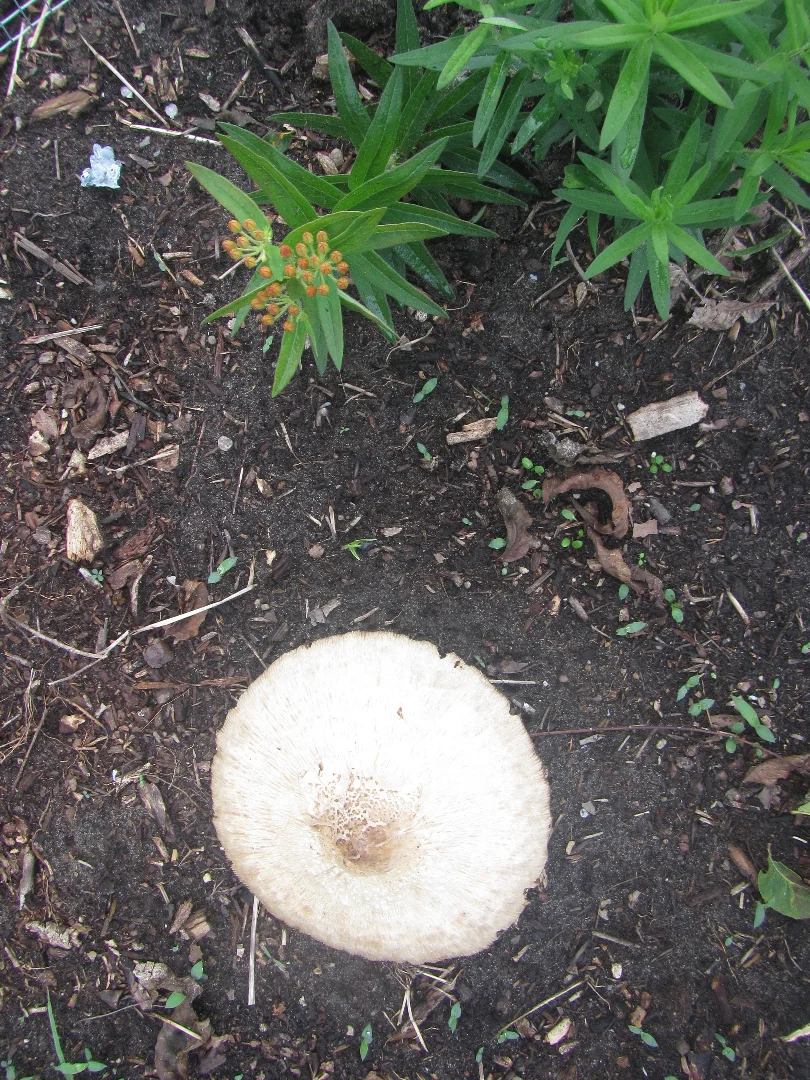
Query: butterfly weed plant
{"points": [[686, 113]]}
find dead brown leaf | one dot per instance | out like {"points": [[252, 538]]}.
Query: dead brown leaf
{"points": [[518, 521], [72, 102], [137, 544], [777, 768], [173, 1047], [95, 407], [743, 863], [612, 562], [122, 575], [151, 798], [601, 480], [478, 429], [645, 528], [195, 596], [721, 315]]}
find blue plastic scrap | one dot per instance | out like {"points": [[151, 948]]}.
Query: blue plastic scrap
{"points": [[104, 169]]}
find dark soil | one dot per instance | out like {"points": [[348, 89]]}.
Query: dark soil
{"points": [[645, 918]]}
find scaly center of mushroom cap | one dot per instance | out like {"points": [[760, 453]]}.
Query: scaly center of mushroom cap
{"points": [[358, 820]]}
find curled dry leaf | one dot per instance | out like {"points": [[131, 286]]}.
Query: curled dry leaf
{"points": [[195, 596], [122, 575], [151, 798], [518, 521], [45, 422], [743, 863], [600, 480], [612, 562], [721, 315], [72, 102], [83, 539], [95, 407], [645, 528], [173, 1046], [777, 768]]}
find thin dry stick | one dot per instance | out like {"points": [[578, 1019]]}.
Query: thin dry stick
{"points": [[34, 738], [252, 962], [792, 279], [120, 11], [125, 82], [15, 63], [542, 1004], [96, 657], [42, 338], [165, 131], [414, 1024]]}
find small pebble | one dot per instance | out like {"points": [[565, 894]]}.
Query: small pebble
{"points": [[126, 92], [171, 110], [224, 443]]}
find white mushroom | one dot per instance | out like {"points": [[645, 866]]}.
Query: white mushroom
{"points": [[382, 798]]}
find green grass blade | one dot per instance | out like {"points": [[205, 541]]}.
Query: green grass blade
{"points": [[461, 184], [463, 52], [382, 275], [327, 125], [678, 56], [314, 188], [490, 96], [289, 357], [330, 318], [406, 39], [417, 258], [448, 223], [570, 219], [283, 194], [621, 247], [659, 281], [389, 188], [236, 202], [504, 120], [380, 139], [385, 236], [416, 113], [701, 14], [350, 106], [57, 1045], [631, 83], [371, 62], [694, 250]]}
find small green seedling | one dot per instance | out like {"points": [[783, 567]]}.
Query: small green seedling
{"points": [[693, 509], [423, 450], [749, 716], [702, 705], [630, 628], [573, 542], [641, 558], [531, 484], [508, 1036], [645, 1036], [97, 575], [578, 413], [11, 1071], [197, 972], [222, 570], [727, 1051], [427, 388], [479, 1057], [498, 543], [674, 607], [503, 414], [67, 1068], [466, 521], [366, 1039], [177, 997], [624, 591], [657, 462], [455, 1015], [806, 649], [356, 547], [684, 688]]}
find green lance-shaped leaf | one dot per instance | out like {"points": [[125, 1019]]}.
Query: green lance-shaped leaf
{"points": [[234, 200], [376, 270], [389, 188], [632, 82], [330, 318], [380, 139], [315, 188], [284, 195], [349, 103], [289, 357], [468, 47]]}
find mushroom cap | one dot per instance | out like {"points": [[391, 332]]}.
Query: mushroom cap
{"points": [[382, 798]]}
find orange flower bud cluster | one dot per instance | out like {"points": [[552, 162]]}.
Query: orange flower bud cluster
{"points": [[310, 262]]}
